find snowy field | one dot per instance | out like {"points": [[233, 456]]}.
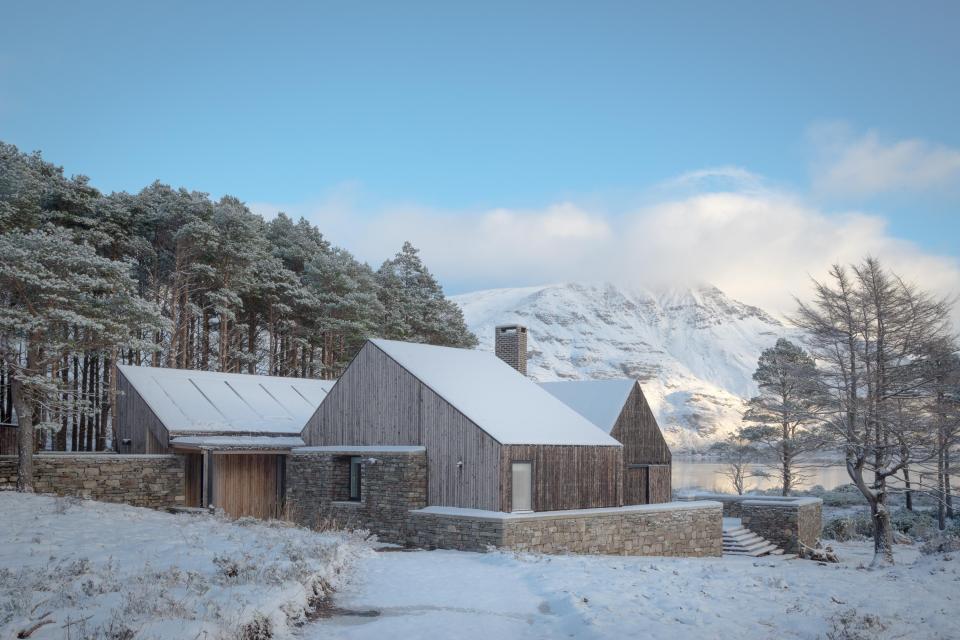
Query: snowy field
{"points": [[91, 570], [446, 594], [82, 569]]}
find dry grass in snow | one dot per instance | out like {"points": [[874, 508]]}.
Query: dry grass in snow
{"points": [[82, 569]]}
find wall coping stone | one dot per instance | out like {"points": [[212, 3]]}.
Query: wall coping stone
{"points": [[500, 516], [97, 455], [771, 501], [361, 449]]}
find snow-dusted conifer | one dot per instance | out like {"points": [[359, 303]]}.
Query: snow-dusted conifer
{"points": [[783, 419], [415, 308], [60, 298]]}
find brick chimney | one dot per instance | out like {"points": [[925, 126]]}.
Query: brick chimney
{"points": [[511, 346]]}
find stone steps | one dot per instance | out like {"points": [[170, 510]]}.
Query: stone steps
{"points": [[739, 541]]}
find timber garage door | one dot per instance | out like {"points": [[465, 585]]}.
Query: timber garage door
{"points": [[246, 484], [636, 485], [647, 484]]}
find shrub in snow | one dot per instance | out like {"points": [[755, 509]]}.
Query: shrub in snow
{"points": [[941, 544], [846, 495], [257, 629], [847, 528], [853, 625], [917, 524]]}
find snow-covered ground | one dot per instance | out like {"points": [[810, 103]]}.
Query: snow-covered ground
{"points": [[447, 594], [84, 569]]}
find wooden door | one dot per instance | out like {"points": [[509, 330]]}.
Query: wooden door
{"points": [[636, 485], [193, 479], [246, 484]]}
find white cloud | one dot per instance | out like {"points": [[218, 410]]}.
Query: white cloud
{"points": [[863, 165], [761, 246]]}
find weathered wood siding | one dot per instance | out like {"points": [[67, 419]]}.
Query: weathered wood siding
{"points": [[643, 444], [378, 402], [246, 484], [661, 486], [450, 438], [375, 402], [565, 477], [137, 421]]}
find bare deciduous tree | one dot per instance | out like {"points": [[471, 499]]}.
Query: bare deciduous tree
{"points": [[868, 330]]}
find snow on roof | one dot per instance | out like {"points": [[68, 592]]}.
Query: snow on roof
{"points": [[507, 405], [211, 402], [237, 442], [599, 401]]}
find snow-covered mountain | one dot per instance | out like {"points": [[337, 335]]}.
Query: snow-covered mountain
{"points": [[694, 349]]}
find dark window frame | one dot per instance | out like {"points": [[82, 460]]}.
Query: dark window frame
{"points": [[355, 490]]}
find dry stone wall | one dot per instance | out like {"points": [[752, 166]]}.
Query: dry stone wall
{"points": [[785, 521], [155, 481], [691, 529], [393, 482]]}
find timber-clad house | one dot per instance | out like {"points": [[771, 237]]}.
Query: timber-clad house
{"points": [[492, 439]]}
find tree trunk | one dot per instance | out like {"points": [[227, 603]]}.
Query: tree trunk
{"points": [[60, 442], [25, 432], [252, 342], [85, 371], [946, 479], [941, 487], [907, 487], [882, 532], [74, 425], [105, 405], [91, 394]]}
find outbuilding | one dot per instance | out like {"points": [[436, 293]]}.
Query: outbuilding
{"points": [[618, 407], [234, 430]]}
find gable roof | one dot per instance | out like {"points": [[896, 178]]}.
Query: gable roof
{"points": [[209, 402], [511, 408], [599, 401]]}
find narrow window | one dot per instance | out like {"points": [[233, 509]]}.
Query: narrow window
{"points": [[522, 486], [355, 478]]}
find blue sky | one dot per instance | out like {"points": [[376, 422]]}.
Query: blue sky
{"points": [[463, 108]]}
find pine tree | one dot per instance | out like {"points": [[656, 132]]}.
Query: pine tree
{"points": [[415, 308], [60, 298], [783, 418], [235, 292]]}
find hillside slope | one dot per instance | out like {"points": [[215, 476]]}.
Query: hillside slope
{"points": [[694, 349]]}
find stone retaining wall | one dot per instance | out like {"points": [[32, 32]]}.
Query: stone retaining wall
{"points": [[155, 481], [786, 524], [785, 521], [692, 529], [393, 482]]}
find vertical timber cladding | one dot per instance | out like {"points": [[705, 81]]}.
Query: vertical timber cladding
{"points": [[375, 402], [378, 402], [246, 484], [646, 456], [137, 422], [566, 476]]}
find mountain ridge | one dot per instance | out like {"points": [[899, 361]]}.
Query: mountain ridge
{"points": [[694, 349]]}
